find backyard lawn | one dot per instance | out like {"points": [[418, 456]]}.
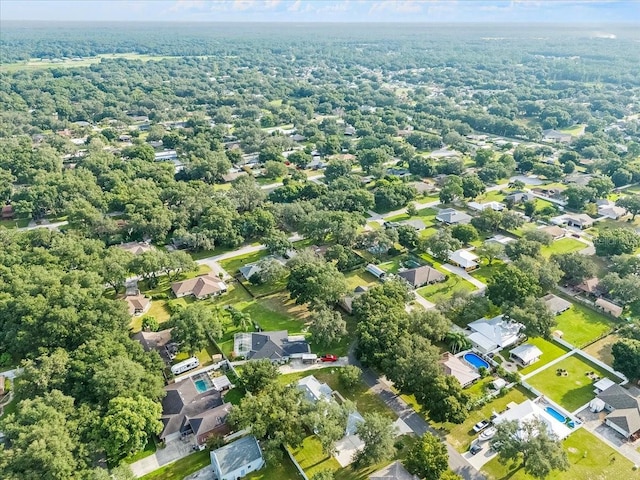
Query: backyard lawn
{"points": [[443, 290], [158, 310], [486, 271], [575, 389], [283, 469], [564, 245], [589, 459], [231, 265], [427, 215], [581, 325], [360, 277], [181, 468], [550, 351], [602, 349]]}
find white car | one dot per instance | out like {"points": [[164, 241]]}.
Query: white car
{"points": [[487, 434], [478, 427]]}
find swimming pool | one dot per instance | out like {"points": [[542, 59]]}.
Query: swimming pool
{"points": [[556, 414], [475, 361], [203, 382]]}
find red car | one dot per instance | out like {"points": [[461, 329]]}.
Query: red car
{"points": [[328, 358]]}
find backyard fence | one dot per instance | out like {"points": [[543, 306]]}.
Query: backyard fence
{"points": [[297, 465]]}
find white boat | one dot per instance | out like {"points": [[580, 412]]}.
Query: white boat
{"points": [[487, 434]]}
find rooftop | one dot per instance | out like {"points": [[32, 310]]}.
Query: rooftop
{"points": [[236, 454]]}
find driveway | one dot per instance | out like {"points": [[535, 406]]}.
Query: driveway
{"points": [[173, 451], [295, 366], [424, 302], [462, 273], [593, 422]]}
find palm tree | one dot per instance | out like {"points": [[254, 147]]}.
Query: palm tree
{"points": [[240, 319], [457, 341]]}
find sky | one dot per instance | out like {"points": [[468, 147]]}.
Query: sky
{"points": [[560, 11]]}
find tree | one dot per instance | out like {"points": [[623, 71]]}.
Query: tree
{"points": [[602, 186], [445, 399], [626, 264], [624, 289], [488, 221], [547, 273], [631, 203], [569, 167], [522, 248], [258, 374], [376, 432], [349, 376], [313, 280], [207, 166], [241, 320], [246, 194], [451, 190], [529, 208], [490, 251], [472, 186], [530, 441], [621, 177], [483, 156], [277, 414], [575, 267], [578, 195], [275, 169], [192, 326], [428, 458], [278, 243], [464, 232], [511, 220], [511, 285], [540, 236], [323, 475], [616, 241], [626, 357], [270, 270], [373, 159], [411, 363], [408, 237], [115, 267], [336, 169], [128, 424], [431, 324], [457, 342], [329, 424], [442, 244], [392, 195], [537, 318], [412, 211], [176, 263], [327, 326]]}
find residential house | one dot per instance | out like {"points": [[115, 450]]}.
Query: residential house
{"points": [[423, 188], [277, 346], [579, 179], [166, 155], [526, 354], [497, 206], [416, 223], [376, 271], [530, 410], [349, 130], [204, 286], [624, 411], [251, 269], [158, 341], [579, 220], [346, 302], [2, 387], [124, 138], [136, 248], [555, 136], [464, 259], [464, 373], [296, 137], [395, 471], [425, 275], [611, 211], [556, 304], [490, 335], [313, 390], [609, 307], [231, 176], [237, 459], [589, 286], [555, 231], [451, 216], [519, 197], [186, 410], [7, 212], [137, 304]]}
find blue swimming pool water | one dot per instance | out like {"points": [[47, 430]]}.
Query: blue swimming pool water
{"points": [[556, 414], [203, 382], [475, 360], [201, 386]]}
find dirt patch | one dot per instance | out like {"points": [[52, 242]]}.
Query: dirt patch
{"points": [[602, 349], [573, 450]]}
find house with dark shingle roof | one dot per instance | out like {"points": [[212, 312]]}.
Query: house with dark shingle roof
{"points": [[425, 275], [275, 346], [556, 304], [624, 416], [237, 459]]}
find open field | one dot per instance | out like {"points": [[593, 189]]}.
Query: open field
{"points": [[589, 459], [575, 389], [38, 64], [602, 349], [231, 265], [17, 223], [564, 245], [581, 325]]}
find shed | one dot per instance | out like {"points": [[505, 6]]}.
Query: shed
{"points": [[526, 354], [608, 307], [375, 271]]}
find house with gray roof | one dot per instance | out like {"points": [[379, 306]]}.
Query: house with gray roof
{"points": [[237, 459], [276, 346], [395, 471], [556, 304], [451, 216], [425, 275], [313, 390], [624, 410]]}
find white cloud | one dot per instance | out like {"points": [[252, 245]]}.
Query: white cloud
{"points": [[396, 6]]}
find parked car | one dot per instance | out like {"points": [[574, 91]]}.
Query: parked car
{"points": [[199, 448], [478, 427], [577, 235], [329, 357], [475, 448]]}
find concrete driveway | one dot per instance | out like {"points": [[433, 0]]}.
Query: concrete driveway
{"points": [[173, 451], [295, 365]]}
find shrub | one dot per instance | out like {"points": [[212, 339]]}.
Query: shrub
{"points": [[349, 376]]}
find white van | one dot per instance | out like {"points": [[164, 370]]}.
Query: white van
{"points": [[185, 365]]}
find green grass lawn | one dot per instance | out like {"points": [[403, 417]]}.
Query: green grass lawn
{"points": [[486, 271], [203, 355], [360, 277], [364, 399], [159, 310], [492, 196], [427, 215], [550, 351], [461, 435], [283, 469], [564, 245], [581, 325], [181, 468], [149, 449], [164, 285], [428, 232], [440, 291], [16, 223], [571, 391], [573, 130], [231, 265], [38, 64], [9, 407], [602, 349], [589, 459]]}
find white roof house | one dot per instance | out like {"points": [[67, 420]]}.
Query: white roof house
{"points": [[464, 259], [497, 206], [237, 459], [528, 411], [313, 390], [526, 354], [495, 334], [611, 211]]}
